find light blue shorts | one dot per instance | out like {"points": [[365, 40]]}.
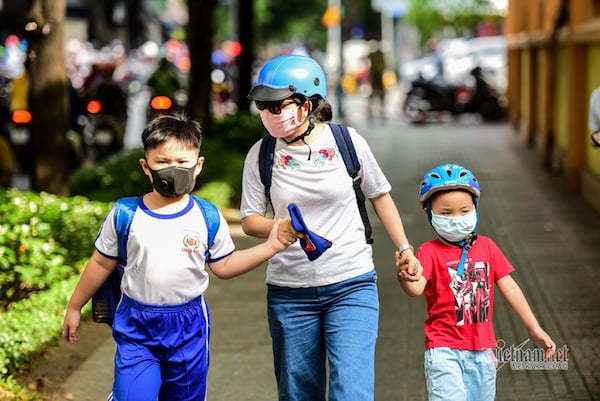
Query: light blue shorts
{"points": [[457, 375]]}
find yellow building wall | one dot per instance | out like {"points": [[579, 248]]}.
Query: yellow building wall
{"points": [[540, 88], [592, 154], [525, 79], [562, 101]]}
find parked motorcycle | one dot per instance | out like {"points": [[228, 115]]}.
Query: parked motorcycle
{"points": [[105, 115], [166, 93], [428, 96], [162, 104], [103, 132], [486, 100], [19, 131], [435, 96]]}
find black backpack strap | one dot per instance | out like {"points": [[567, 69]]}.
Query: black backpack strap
{"points": [[266, 156], [346, 147]]}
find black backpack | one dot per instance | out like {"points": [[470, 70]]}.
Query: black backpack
{"points": [[346, 148]]}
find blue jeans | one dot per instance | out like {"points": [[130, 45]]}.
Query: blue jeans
{"points": [[335, 323], [457, 375]]}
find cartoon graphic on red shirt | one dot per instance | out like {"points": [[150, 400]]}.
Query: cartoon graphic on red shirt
{"points": [[471, 293]]}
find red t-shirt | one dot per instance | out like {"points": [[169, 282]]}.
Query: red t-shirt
{"points": [[460, 309]]}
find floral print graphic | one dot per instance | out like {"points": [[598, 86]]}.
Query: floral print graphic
{"points": [[324, 155], [286, 162]]}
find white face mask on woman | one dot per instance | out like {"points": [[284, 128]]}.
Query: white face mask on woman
{"points": [[281, 125], [454, 228]]}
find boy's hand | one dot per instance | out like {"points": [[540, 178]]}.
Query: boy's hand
{"points": [[278, 241], [544, 340], [287, 235], [70, 325], [409, 267]]}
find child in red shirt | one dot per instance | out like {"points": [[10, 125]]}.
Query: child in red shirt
{"points": [[460, 269]]}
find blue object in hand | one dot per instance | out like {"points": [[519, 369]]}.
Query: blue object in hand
{"points": [[313, 244]]}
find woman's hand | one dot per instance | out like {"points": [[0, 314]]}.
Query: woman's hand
{"points": [[274, 240], [287, 235]]}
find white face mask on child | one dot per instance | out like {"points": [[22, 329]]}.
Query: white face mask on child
{"points": [[454, 228]]}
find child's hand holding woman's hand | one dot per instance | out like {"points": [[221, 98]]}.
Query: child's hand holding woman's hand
{"points": [[409, 267], [279, 240]]}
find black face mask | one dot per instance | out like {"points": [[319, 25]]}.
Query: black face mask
{"points": [[173, 181]]}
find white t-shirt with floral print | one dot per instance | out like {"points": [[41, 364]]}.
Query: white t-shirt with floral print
{"points": [[322, 190]]}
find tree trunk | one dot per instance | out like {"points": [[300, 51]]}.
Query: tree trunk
{"points": [[199, 39], [99, 31], [48, 95], [136, 23], [245, 18]]}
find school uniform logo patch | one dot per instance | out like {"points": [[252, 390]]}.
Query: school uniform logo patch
{"points": [[191, 242]]}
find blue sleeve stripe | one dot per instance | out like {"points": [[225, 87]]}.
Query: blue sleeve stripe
{"points": [[217, 259]]}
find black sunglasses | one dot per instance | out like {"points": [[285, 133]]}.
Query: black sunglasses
{"points": [[275, 106]]}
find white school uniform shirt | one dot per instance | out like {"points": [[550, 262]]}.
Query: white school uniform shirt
{"points": [[322, 190], [165, 253]]}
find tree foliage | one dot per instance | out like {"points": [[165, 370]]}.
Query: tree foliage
{"points": [[431, 17]]}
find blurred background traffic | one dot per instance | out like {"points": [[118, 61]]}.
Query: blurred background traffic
{"points": [[80, 78]]}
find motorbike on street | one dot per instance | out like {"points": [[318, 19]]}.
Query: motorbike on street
{"points": [[427, 97], [162, 104], [105, 116], [487, 100], [102, 132], [166, 92]]}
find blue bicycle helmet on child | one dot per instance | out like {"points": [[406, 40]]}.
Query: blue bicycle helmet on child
{"points": [[449, 177], [445, 177], [284, 76]]}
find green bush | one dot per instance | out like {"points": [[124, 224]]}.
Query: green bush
{"points": [[237, 132], [32, 324], [217, 192], [117, 176], [11, 391], [42, 236]]}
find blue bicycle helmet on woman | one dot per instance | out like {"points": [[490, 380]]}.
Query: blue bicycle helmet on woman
{"points": [[284, 76], [451, 177]]}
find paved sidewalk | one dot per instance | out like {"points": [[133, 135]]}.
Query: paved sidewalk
{"points": [[550, 234]]}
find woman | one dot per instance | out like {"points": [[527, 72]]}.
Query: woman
{"points": [[325, 310]]}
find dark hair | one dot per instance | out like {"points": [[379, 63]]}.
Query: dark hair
{"points": [[174, 125], [323, 113]]}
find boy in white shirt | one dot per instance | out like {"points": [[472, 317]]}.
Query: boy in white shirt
{"points": [[162, 323]]}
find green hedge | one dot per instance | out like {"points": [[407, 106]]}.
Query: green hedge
{"points": [[11, 391], [28, 329], [42, 237], [32, 324]]}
